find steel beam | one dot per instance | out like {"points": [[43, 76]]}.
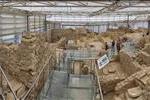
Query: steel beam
{"points": [[60, 6], [28, 27], [117, 5], [45, 24], [128, 24], [67, 6], [107, 10], [101, 11]]}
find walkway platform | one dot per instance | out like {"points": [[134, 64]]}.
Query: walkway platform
{"points": [[77, 87]]}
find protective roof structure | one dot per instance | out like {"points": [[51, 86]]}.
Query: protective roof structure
{"points": [[84, 10]]}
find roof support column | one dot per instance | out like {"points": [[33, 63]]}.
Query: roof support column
{"points": [[27, 24], [128, 24], [34, 23], [45, 24], [108, 26], [1, 24], [39, 24], [148, 24]]}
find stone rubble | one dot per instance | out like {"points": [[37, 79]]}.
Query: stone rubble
{"points": [[134, 66], [128, 76], [23, 62], [110, 76]]}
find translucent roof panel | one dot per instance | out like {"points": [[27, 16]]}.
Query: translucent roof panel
{"points": [[95, 18], [97, 10], [86, 19], [68, 7], [61, 9], [135, 9], [63, 3]]}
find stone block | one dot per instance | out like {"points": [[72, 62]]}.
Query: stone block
{"points": [[147, 48], [129, 66], [145, 58], [22, 63], [21, 91], [15, 85], [10, 96], [134, 92]]}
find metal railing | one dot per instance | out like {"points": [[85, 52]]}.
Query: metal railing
{"points": [[38, 82], [36, 86], [99, 84], [82, 54], [44, 92], [92, 56], [2, 97], [3, 75]]}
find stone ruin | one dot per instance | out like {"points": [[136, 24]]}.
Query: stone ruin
{"points": [[22, 63], [128, 77], [69, 34], [110, 76]]}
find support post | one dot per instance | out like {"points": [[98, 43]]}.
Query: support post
{"points": [[34, 22], [39, 24], [45, 24], [1, 32], [128, 22], [149, 24], [98, 81], [28, 23], [108, 26]]}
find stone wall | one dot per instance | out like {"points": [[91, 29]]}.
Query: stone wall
{"points": [[128, 64], [22, 63], [144, 58], [70, 34], [110, 76], [134, 85], [57, 34], [144, 55], [147, 48]]}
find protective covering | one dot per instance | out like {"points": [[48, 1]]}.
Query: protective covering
{"points": [[85, 10]]}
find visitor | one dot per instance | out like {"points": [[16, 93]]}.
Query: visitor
{"points": [[147, 33], [106, 46], [118, 45], [143, 35], [113, 47], [113, 43], [66, 44], [125, 39]]}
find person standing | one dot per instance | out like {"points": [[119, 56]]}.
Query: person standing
{"points": [[106, 46], [118, 45], [108, 50], [113, 47], [147, 33]]}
